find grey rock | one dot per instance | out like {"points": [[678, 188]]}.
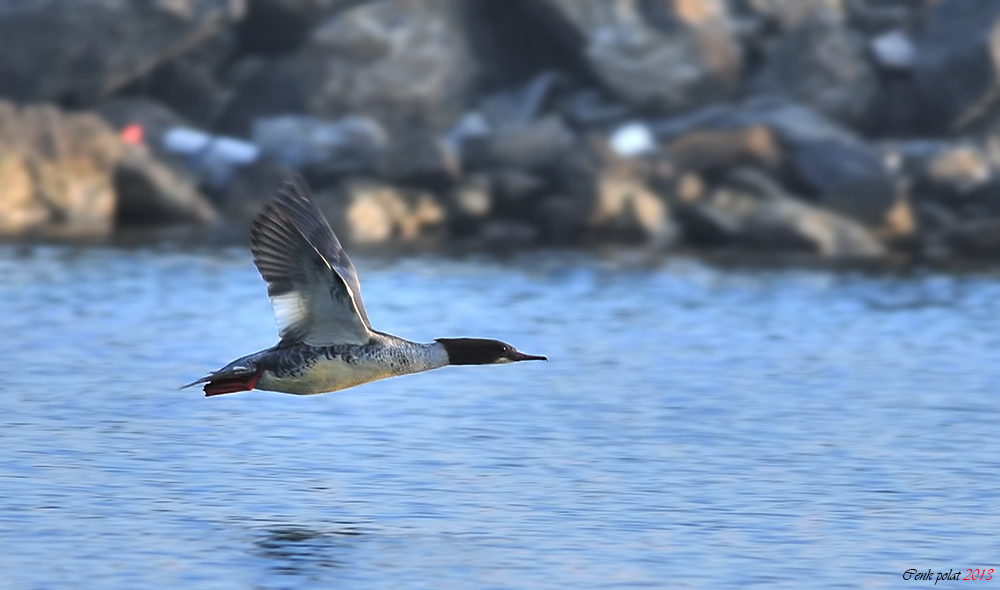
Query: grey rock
{"points": [[826, 161], [788, 15], [57, 170], [514, 185], [562, 219], [953, 182], [366, 212], [826, 233], [752, 210], [505, 124], [626, 208], [273, 27], [823, 64], [944, 170], [350, 144], [404, 62], [978, 238], [714, 150], [508, 234], [151, 193], [591, 108], [70, 176], [421, 157], [189, 88], [521, 105], [532, 146], [956, 66], [89, 51], [677, 58], [875, 17], [252, 187], [232, 10], [261, 88]]}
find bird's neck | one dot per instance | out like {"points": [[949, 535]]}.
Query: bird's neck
{"points": [[418, 356], [431, 355]]}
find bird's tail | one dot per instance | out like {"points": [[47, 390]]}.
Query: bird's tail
{"points": [[227, 382]]}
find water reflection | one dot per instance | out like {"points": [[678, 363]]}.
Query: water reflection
{"points": [[303, 551]]}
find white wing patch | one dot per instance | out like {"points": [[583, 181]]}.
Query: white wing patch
{"points": [[312, 284], [314, 317], [290, 310]]}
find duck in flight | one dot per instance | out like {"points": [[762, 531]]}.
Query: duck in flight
{"points": [[327, 343]]}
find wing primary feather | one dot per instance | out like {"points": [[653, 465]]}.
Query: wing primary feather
{"points": [[309, 220], [312, 283]]}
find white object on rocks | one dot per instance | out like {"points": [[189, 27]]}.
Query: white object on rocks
{"points": [[214, 155], [632, 139], [469, 125], [191, 142], [894, 49], [298, 141]]}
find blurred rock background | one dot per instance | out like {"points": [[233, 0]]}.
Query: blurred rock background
{"points": [[846, 129]]}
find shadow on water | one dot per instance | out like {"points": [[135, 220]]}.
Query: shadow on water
{"points": [[302, 551]]}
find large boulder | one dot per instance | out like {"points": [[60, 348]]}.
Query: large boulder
{"points": [[403, 62], [957, 67], [89, 50], [191, 85], [272, 27], [668, 56], [715, 150], [628, 209], [533, 145], [57, 172], [818, 158], [152, 193], [261, 87], [594, 195], [352, 144], [954, 184], [979, 238], [749, 209], [250, 188], [821, 63], [365, 212], [514, 129], [70, 176], [943, 170]]}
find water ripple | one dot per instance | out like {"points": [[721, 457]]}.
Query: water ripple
{"points": [[695, 428]]}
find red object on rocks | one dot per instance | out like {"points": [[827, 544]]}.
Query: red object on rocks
{"points": [[132, 134]]}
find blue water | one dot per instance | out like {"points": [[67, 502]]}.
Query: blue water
{"points": [[695, 428]]}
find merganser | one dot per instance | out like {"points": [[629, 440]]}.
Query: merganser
{"points": [[327, 343]]}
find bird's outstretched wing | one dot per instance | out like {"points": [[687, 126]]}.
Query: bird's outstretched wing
{"points": [[312, 284]]}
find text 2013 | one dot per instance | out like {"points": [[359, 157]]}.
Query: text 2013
{"points": [[971, 574]]}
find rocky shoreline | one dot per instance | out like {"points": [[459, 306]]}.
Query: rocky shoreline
{"points": [[846, 130]]}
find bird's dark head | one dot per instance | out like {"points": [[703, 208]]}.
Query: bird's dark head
{"points": [[479, 351]]}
